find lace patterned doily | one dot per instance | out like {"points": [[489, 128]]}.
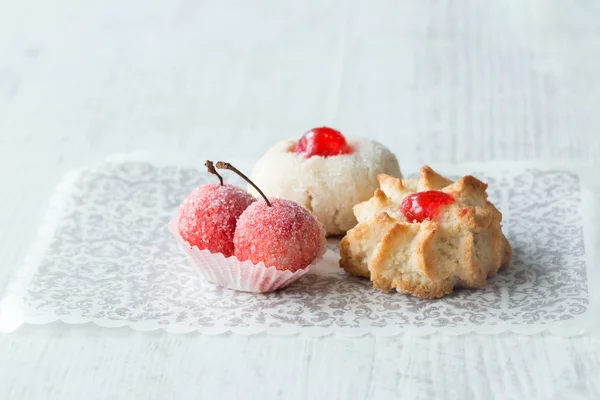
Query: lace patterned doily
{"points": [[104, 255]]}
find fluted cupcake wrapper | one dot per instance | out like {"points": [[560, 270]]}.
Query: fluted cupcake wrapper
{"points": [[239, 275]]}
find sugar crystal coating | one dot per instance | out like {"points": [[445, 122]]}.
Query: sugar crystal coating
{"points": [[209, 214], [285, 235]]}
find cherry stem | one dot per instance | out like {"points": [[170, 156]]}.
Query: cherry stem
{"points": [[211, 168], [224, 165]]}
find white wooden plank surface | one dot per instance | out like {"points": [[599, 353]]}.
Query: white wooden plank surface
{"points": [[435, 80]]}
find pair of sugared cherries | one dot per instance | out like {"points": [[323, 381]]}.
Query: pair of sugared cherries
{"points": [[225, 219]]}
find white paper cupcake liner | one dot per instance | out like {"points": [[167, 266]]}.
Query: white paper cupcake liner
{"points": [[239, 275]]}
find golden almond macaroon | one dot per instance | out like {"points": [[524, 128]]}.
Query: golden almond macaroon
{"points": [[460, 247]]}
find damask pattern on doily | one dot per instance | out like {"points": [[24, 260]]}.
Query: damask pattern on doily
{"points": [[112, 259]]}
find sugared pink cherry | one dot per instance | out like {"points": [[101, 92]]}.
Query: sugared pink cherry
{"points": [[425, 205], [284, 235], [209, 214], [323, 142], [278, 232]]}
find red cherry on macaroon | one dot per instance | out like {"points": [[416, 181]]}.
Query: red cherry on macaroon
{"points": [[425, 205], [208, 216], [278, 232], [324, 142]]}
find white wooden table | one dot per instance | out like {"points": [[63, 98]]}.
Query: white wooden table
{"points": [[434, 80]]}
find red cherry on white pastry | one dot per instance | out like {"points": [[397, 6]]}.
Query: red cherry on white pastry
{"points": [[208, 216], [323, 142]]}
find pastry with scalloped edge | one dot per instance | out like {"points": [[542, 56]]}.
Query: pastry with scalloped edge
{"points": [[453, 242]]}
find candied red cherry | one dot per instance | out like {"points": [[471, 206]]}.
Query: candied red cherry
{"points": [[323, 142], [425, 205]]}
